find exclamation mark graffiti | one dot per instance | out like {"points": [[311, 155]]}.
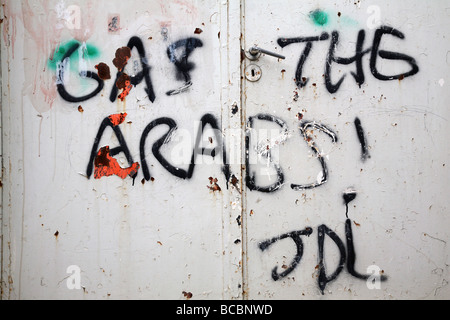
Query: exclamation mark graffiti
{"points": [[362, 139]]}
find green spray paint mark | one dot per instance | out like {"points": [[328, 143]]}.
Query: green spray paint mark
{"points": [[86, 51], [348, 22], [319, 17]]}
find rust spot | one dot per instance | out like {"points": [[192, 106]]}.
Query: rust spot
{"points": [[159, 242], [299, 116], [356, 224], [122, 56], [126, 90], [339, 14], [152, 179], [213, 184], [187, 295], [103, 71], [234, 180], [143, 181], [102, 158], [198, 31], [401, 77], [117, 118], [121, 82], [105, 166], [80, 108], [251, 212], [218, 35], [124, 83], [56, 234]]}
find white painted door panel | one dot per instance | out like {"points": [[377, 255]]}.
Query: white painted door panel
{"points": [[368, 129], [76, 223]]}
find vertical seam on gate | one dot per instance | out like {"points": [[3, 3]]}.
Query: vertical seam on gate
{"points": [[243, 155], [1, 171]]}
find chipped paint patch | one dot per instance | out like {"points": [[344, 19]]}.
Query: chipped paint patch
{"points": [[105, 166], [122, 56], [124, 83], [213, 184], [117, 118], [187, 295], [103, 71]]}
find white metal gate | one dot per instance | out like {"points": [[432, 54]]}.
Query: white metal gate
{"points": [[224, 150]]}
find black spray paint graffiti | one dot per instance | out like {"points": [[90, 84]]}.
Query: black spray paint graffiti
{"points": [[374, 51], [250, 176], [109, 122], [206, 120], [88, 74], [296, 237], [144, 74], [324, 175], [362, 139], [347, 256], [305, 126], [178, 53]]}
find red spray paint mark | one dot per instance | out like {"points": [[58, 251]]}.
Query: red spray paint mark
{"points": [[124, 83], [126, 90], [105, 166], [117, 118]]}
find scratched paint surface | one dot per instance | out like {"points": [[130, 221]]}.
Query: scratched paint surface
{"points": [[140, 163]]}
